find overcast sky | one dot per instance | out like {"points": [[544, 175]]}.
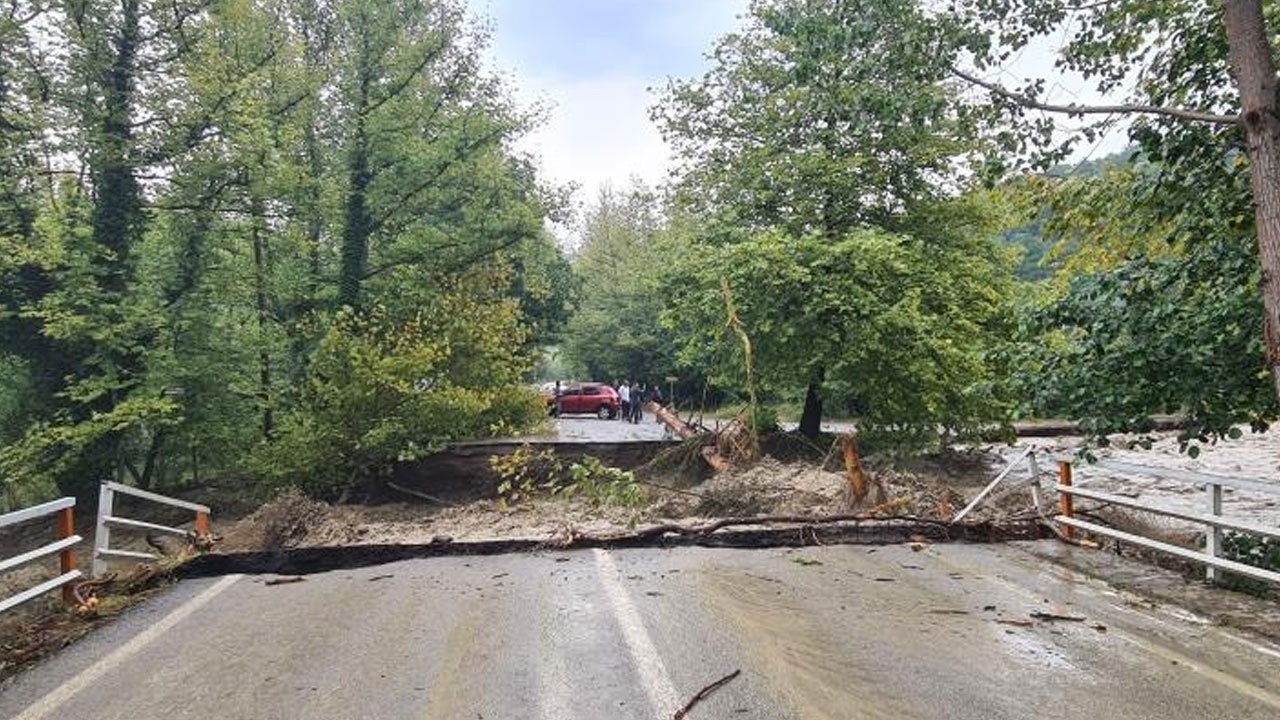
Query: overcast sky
{"points": [[594, 62]]}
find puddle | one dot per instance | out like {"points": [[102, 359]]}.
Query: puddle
{"points": [[1026, 646]]}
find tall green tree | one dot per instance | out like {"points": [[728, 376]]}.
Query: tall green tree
{"points": [[822, 119], [190, 188], [422, 129], [1205, 95], [615, 334]]}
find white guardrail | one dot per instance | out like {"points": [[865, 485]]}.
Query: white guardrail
{"points": [[64, 509], [106, 521], [1213, 519]]}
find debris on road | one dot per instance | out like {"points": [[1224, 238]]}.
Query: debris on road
{"points": [[704, 693], [1052, 617], [285, 580]]}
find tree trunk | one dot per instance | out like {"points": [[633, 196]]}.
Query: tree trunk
{"points": [[355, 237], [117, 210], [811, 418], [315, 220], [359, 225], [260, 276], [1254, 70], [117, 207]]}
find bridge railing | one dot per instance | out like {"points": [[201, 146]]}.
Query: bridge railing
{"points": [[64, 511], [102, 550], [1213, 519]]}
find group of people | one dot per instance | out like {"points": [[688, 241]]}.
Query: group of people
{"points": [[632, 397]]}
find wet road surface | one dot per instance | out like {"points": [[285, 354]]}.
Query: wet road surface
{"points": [[589, 429], [829, 632]]}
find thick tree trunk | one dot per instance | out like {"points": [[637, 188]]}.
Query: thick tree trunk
{"points": [[359, 224], [261, 266], [811, 417], [355, 237], [117, 209], [315, 222], [1255, 74], [117, 216]]}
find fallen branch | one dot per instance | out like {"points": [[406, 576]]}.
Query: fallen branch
{"points": [[704, 693], [711, 527], [285, 580], [420, 495], [1054, 616]]}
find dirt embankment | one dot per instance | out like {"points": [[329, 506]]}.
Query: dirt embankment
{"points": [[769, 487]]}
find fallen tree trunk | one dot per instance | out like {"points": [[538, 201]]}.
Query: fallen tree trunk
{"points": [[683, 431], [739, 532]]}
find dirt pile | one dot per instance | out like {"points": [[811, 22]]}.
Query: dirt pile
{"points": [[285, 521], [773, 487], [767, 487]]}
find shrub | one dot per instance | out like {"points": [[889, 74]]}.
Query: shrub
{"points": [[526, 474], [381, 390], [1258, 551]]}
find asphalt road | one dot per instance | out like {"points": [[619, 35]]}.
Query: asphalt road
{"points": [[590, 429], [834, 632]]}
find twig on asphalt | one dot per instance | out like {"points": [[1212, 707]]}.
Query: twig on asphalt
{"points": [[1056, 616], [285, 580], [704, 693]]}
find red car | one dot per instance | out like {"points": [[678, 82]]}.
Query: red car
{"points": [[592, 398]]}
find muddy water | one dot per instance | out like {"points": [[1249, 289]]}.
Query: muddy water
{"points": [[1254, 456], [816, 674]]}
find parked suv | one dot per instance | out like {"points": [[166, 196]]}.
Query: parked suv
{"points": [[594, 398]]}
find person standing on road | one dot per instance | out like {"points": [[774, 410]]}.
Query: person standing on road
{"points": [[624, 397], [655, 396], [637, 403]]}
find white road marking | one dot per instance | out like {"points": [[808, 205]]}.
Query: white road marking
{"points": [[51, 702], [1255, 646], [656, 681]]}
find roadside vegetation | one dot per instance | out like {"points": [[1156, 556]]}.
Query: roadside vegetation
{"points": [[288, 243]]}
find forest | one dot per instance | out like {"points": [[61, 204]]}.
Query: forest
{"points": [[293, 242]]}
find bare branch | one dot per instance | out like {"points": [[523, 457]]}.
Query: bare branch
{"points": [[1077, 110]]}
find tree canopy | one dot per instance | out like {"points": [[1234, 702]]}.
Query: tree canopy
{"points": [[192, 192]]}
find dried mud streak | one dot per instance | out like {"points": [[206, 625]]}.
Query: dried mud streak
{"points": [[464, 649], [795, 653], [308, 560]]}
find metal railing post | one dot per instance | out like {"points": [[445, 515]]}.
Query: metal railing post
{"points": [[1213, 536], [1037, 493], [102, 534], [1066, 503], [67, 557]]}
